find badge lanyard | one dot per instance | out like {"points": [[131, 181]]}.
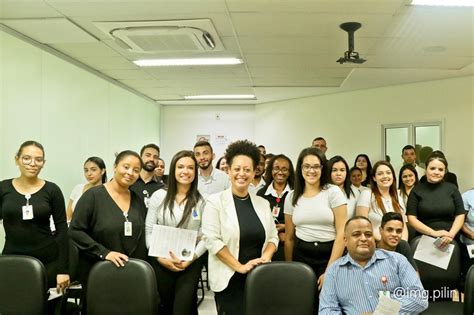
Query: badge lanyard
{"points": [[27, 209], [276, 208], [384, 292], [127, 225]]}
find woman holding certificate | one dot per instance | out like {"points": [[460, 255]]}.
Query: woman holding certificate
{"points": [[181, 207], [238, 229]]}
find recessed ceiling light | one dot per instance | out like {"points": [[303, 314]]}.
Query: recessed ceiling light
{"points": [[221, 97], [444, 3], [187, 62]]}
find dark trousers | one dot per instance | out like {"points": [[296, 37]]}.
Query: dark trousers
{"points": [[230, 301], [316, 256], [177, 290]]}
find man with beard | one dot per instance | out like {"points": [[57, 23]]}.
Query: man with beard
{"points": [[211, 180], [146, 183], [391, 230], [355, 282], [258, 182]]}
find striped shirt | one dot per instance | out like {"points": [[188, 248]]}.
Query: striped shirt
{"points": [[352, 289]]}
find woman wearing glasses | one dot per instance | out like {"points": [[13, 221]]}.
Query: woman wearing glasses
{"points": [[279, 179], [26, 204], [315, 214]]}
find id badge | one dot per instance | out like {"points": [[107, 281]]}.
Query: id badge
{"points": [[275, 211], [127, 228], [384, 293], [146, 200], [27, 212], [195, 215]]}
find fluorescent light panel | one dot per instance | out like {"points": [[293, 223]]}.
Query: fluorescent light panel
{"points": [[187, 62], [221, 97], [444, 3]]}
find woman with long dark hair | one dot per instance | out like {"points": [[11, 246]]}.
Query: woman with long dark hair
{"points": [[407, 179], [279, 179], [338, 175], [315, 214], [95, 174], [181, 206], [381, 198], [26, 204], [362, 161]]}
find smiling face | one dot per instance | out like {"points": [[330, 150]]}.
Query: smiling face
{"points": [[280, 171], [204, 156], [320, 144], [260, 167], [338, 173], [391, 233], [241, 173], [223, 166], [359, 240], [356, 178], [383, 176], [435, 171], [361, 163], [311, 169], [93, 173], [160, 168], [127, 170], [30, 161], [185, 171], [408, 178], [150, 158]]}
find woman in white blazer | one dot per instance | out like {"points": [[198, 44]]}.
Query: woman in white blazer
{"points": [[238, 230]]}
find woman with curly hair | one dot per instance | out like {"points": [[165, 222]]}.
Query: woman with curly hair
{"points": [[238, 230]]}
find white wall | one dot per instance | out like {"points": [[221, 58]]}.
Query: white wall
{"points": [[72, 112], [181, 125], [351, 122]]}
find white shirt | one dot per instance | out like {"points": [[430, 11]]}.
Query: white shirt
{"points": [[76, 193], [313, 217], [271, 191], [367, 199], [352, 201], [216, 182], [254, 189], [157, 215]]}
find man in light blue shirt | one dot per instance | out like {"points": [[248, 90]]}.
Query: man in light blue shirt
{"points": [[354, 282]]}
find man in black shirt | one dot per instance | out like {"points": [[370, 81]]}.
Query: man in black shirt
{"points": [[391, 230], [147, 184]]}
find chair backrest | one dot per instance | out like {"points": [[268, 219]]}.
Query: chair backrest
{"points": [[280, 288], [23, 285], [469, 292], [434, 278], [126, 290]]}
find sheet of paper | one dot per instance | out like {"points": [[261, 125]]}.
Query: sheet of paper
{"points": [[164, 239], [387, 306], [430, 254], [53, 294], [470, 250]]}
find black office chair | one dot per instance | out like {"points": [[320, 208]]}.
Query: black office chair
{"points": [[434, 278], [469, 292], [280, 288], [126, 290], [23, 285]]}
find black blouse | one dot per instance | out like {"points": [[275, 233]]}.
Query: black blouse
{"points": [[97, 226], [275, 202], [33, 237]]}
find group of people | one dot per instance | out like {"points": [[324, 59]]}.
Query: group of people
{"points": [[249, 209]]}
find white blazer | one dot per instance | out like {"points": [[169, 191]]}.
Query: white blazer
{"points": [[220, 227]]}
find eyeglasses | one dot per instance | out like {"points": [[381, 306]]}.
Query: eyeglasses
{"points": [[26, 159], [284, 170], [307, 167]]}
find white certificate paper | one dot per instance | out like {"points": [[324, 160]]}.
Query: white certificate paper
{"points": [[164, 239], [430, 254]]}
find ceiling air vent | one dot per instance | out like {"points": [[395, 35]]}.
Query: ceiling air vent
{"points": [[164, 36]]}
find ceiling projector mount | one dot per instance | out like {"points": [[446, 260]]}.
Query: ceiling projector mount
{"points": [[350, 55]]}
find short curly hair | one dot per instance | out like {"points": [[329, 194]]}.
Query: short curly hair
{"points": [[242, 147]]}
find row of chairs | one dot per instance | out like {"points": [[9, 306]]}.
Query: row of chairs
{"points": [[132, 289]]}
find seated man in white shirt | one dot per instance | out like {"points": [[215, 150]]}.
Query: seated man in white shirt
{"points": [[211, 180]]}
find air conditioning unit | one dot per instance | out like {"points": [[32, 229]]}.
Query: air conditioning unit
{"points": [[152, 37]]}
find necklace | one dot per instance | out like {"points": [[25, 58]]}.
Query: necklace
{"points": [[240, 198]]}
